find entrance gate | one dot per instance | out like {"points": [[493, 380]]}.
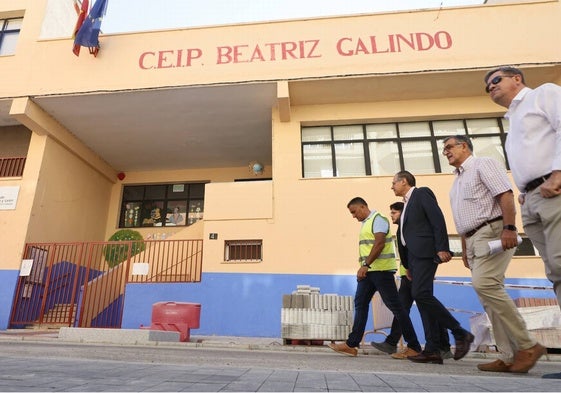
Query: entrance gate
{"points": [[83, 284]]}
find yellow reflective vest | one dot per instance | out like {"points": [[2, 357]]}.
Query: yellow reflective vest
{"points": [[386, 259]]}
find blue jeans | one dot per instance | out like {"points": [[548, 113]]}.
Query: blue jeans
{"points": [[383, 282]]}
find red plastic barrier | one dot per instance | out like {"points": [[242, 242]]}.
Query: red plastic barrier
{"points": [[176, 316]]}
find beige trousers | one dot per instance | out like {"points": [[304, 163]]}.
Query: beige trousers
{"points": [[542, 223], [488, 276]]}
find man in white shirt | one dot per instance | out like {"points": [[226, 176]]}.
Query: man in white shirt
{"points": [[533, 146]]}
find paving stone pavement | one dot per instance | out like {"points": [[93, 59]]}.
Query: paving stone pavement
{"points": [[31, 362]]}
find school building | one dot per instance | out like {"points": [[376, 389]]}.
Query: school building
{"points": [[251, 139]]}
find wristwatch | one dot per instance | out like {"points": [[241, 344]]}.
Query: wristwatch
{"points": [[510, 228], [364, 264]]}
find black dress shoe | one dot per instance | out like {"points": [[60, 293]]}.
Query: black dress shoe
{"points": [[463, 345], [552, 376], [426, 357]]}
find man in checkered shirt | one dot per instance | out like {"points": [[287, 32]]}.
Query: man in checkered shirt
{"points": [[483, 208]]}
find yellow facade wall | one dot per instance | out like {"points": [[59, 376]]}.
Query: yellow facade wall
{"points": [[71, 199], [210, 175], [324, 47], [310, 229]]}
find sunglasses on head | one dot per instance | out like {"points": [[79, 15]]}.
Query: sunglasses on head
{"points": [[496, 80]]}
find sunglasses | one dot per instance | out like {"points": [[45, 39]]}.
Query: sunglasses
{"points": [[496, 80]]}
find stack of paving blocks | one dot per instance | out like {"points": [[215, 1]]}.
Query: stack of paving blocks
{"points": [[308, 315]]}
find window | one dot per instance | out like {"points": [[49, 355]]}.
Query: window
{"points": [[243, 250], [384, 149], [167, 205], [9, 33]]}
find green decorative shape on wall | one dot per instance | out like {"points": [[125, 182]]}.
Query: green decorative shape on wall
{"points": [[117, 253]]}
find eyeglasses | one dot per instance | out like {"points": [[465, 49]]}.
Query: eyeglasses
{"points": [[449, 147], [496, 80]]}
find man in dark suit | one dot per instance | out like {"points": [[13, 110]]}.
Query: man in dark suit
{"points": [[389, 345], [424, 234]]}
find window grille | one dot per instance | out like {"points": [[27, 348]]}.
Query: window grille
{"points": [[243, 251], [12, 166]]}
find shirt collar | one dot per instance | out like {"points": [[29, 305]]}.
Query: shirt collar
{"points": [[465, 165], [408, 195], [517, 99], [372, 212]]}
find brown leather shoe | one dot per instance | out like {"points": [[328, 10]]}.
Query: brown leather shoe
{"points": [[497, 366], [426, 357], [343, 348], [405, 353], [463, 345], [525, 359]]}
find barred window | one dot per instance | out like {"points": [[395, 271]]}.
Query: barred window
{"points": [[9, 33], [384, 149], [243, 250], [177, 204]]}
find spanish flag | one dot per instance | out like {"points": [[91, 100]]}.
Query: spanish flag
{"points": [[82, 11]]}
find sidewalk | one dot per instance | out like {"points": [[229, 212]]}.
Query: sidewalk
{"points": [[91, 335], [41, 361]]}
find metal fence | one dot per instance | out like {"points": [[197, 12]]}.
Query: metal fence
{"points": [[83, 284]]}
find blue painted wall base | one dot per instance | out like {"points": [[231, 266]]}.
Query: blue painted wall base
{"points": [[9, 280], [249, 305]]}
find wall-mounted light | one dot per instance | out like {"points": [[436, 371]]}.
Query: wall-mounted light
{"points": [[256, 168]]}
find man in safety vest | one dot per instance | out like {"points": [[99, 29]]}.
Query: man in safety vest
{"points": [[376, 273]]}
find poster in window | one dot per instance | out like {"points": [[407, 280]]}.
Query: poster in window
{"points": [[195, 212], [132, 214], [177, 210], [152, 214]]}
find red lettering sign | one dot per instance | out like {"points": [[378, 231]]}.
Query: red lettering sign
{"points": [[298, 50]]}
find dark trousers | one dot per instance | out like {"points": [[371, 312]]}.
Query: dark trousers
{"points": [[433, 313], [383, 282], [406, 299]]}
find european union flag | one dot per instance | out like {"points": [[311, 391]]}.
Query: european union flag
{"points": [[88, 35]]}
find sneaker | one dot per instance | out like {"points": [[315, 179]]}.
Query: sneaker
{"points": [[496, 366], [446, 354], [405, 353], [384, 346], [343, 348]]}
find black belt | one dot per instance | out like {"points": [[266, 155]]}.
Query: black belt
{"points": [[472, 232], [536, 182]]}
